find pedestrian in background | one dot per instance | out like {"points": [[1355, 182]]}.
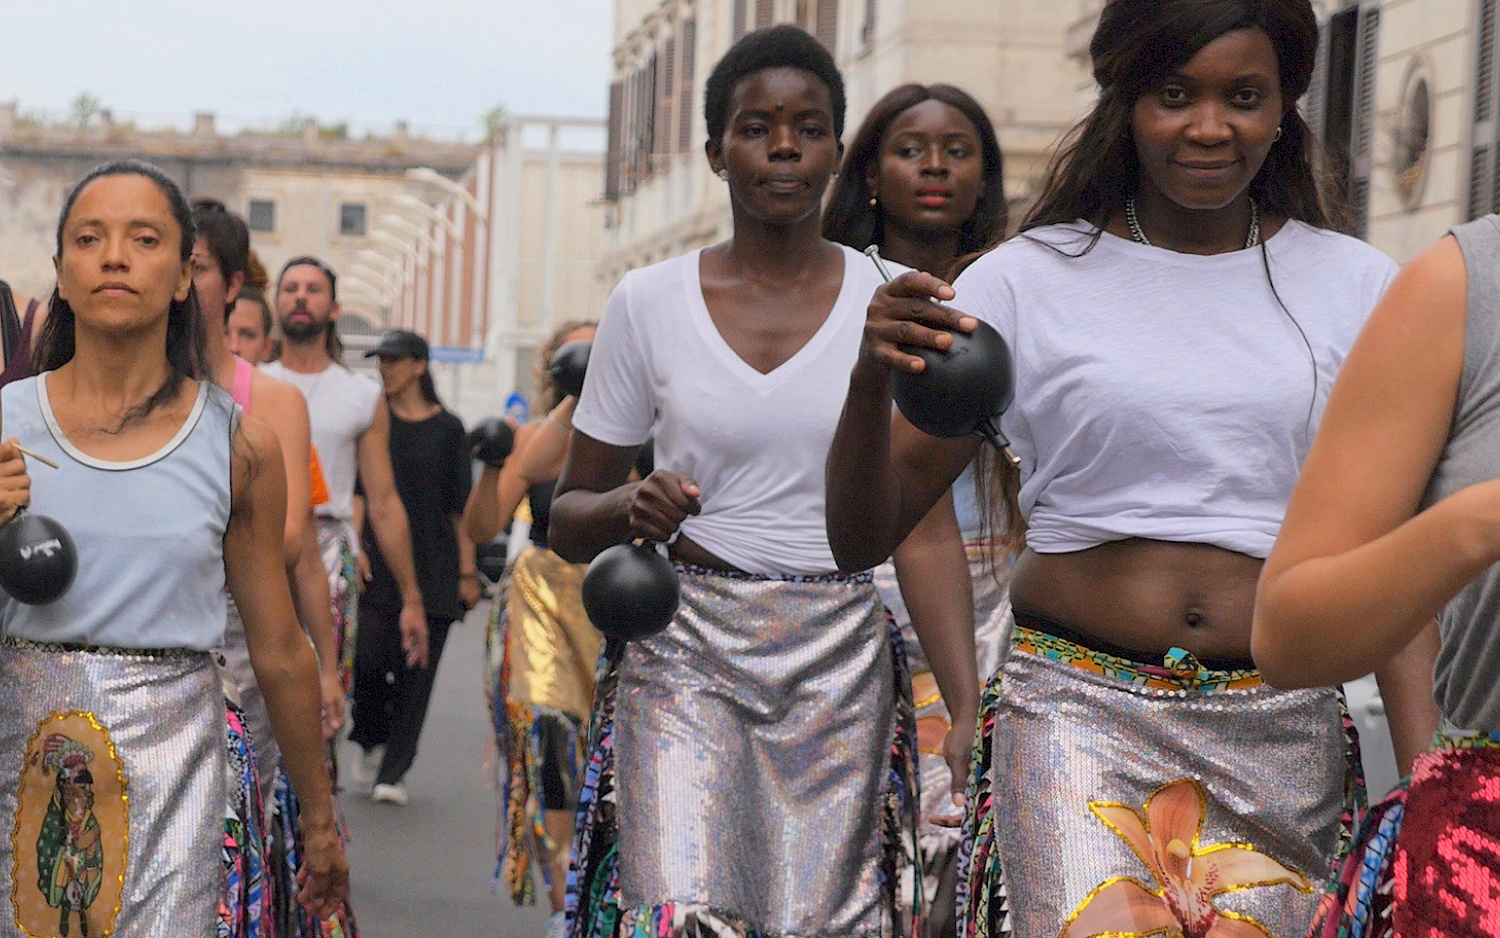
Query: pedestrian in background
{"points": [[430, 461], [924, 182], [544, 682]]}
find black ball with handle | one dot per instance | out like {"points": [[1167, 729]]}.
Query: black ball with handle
{"points": [[568, 366], [491, 441], [38, 559], [631, 591], [963, 390]]}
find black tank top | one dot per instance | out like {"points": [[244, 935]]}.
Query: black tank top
{"points": [[540, 496]]}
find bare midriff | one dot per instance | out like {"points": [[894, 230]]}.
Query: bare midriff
{"points": [[685, 551], [1145, 596]]}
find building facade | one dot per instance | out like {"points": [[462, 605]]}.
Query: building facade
{"points": [[483, 248], [502, 257], [307, 193], [662, 200]]}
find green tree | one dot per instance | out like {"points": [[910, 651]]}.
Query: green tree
{"points": [[492, 120], [84, 112]]}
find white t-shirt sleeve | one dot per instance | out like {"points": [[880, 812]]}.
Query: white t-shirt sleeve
{"points": [[980, 291], [616, 406]]}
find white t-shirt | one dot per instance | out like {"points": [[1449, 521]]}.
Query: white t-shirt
{"points": [[755, 443], [341, 405], [1164, 395]]}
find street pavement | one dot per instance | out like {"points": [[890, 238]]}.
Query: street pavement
{"points": [[426, 870]]}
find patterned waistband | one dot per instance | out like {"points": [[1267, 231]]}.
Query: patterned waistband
{"points": [[1179, 669], [61, 648], [1449, 737], [691, 569]]}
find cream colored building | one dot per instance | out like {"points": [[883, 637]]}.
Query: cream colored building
{"points": [[1010, 54], [503, 257], [307, 193]]}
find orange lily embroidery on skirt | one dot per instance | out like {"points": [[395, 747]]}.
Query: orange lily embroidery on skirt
{"points": [[1166, 838]]}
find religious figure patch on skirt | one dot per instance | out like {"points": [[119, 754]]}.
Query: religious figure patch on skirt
{"points": [[1114, 798], [112, 782], [752, 770], [989, 574], [1426, 861], [542, 653]]}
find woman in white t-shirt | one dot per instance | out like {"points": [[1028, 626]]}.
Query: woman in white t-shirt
{"points": [[752, 766], [1177, 309]]}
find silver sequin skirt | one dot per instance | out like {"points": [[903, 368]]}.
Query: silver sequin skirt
{"points": [[751, 769], [112, 792], [1114, 798]]}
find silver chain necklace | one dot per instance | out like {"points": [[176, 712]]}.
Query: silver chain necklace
{"points": [[1136, 232]]}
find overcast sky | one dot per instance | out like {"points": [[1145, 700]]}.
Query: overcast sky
{"points": [[440, 64]]}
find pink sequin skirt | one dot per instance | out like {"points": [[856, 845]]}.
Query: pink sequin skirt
{"points": [[1426, 863]]}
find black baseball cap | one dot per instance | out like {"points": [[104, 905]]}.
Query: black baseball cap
{"points": [[400, 343]]}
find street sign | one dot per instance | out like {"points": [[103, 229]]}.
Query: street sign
{"points": [[454, 355], [515, 407]]}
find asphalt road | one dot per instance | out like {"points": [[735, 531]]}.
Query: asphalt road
{"points": [[426, 870]]}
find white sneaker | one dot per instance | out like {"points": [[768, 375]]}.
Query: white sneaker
{"points": [[390, 794], [367, 767], [557, 926]]}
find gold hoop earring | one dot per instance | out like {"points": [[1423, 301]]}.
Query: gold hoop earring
{"points": [[1278, 135]]}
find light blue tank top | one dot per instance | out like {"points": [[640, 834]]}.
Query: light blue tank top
{"points": [[150, 533]]}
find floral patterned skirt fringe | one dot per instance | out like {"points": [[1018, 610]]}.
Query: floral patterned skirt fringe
{"points": [[523, 750], [1110, 796], [285, 843], [246, 909], [1426, 862]]}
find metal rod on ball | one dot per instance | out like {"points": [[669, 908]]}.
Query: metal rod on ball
{"points": [[988, 427]]}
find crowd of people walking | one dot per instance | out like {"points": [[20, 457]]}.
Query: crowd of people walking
{"points": [[1086, 685]]}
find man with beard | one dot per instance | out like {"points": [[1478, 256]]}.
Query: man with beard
{"points": [[351, 431]]}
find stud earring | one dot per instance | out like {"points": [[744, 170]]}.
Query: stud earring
{"points": [[874, 202]]}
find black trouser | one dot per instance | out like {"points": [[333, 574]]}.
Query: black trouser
{"points": [[390, 699]]}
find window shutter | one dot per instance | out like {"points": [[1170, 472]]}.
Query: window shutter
{"points": [[826, 26], [1315, 104], [685, 94], [765, 11], [741, 13], [666, 96], [612, 157], [1362, 132], [1483, 174], [648, 114]]}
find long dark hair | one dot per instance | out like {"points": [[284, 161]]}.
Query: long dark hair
{"points": [[428, 386], [851, 220], [187, 353], [1136, 45], [1139, 42]]}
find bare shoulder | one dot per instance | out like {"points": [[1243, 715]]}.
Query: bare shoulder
{"points": [[1430, 292], [276, 393], [256, 445]]}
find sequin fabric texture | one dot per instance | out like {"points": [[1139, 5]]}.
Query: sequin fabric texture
{"points": [[751, 770], [1426, 863], [1122, 799], [154, 765]]}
